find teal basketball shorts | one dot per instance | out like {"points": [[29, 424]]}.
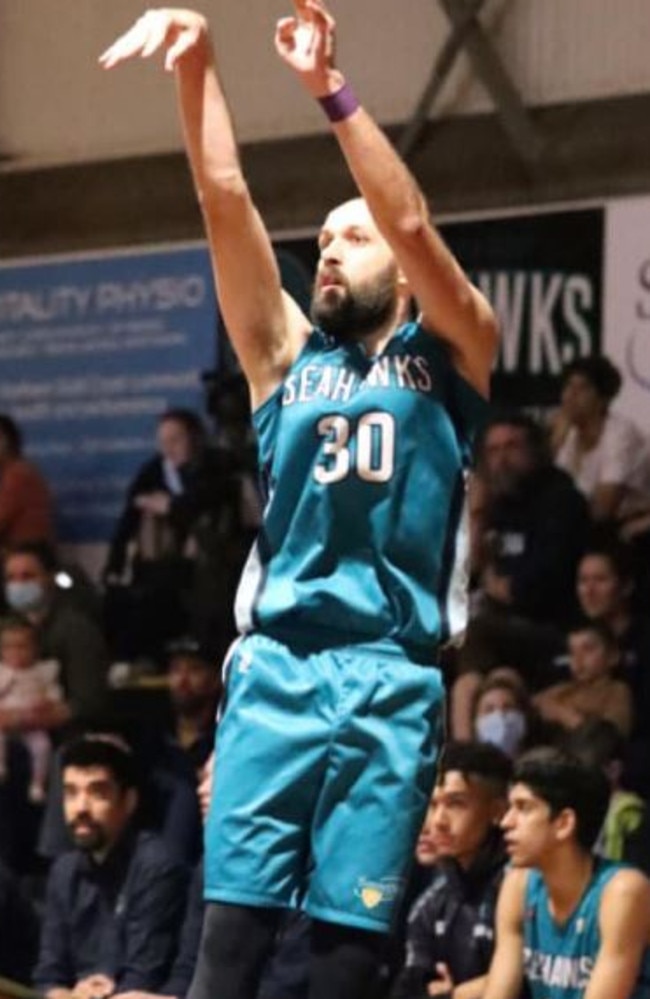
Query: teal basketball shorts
{"points": [[324, 765]]}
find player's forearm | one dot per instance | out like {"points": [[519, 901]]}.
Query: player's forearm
{"points": [[208, 129], [394, 198]]}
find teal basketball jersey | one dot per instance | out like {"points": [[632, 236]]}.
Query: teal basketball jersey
{"points": [[364, 537], [559, 958]]}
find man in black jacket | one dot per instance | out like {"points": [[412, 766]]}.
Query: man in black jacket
{"points": [[531, 526], [115, 902], [450, 935]]}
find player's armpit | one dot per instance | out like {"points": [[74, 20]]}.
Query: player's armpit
{"points": [[624, 921]]}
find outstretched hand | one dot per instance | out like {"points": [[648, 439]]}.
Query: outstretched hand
{"points": [[173, 31], [307, 43]]}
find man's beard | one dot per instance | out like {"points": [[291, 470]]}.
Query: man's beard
{"points": [[348, 314], [91, 841], [192, 705]]}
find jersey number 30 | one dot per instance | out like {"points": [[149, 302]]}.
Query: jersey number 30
{"points": [[374, 457]]}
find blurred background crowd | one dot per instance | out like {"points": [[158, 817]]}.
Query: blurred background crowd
{"points": [[124, 674]]}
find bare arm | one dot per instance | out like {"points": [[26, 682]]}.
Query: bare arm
{"points": [[625, 933], [473, 988], [452, 308], [606, 500], [553, 706], [506, 974], [267, 328]]}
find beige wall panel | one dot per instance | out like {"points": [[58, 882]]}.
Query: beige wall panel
{"points": [[57, 106]]}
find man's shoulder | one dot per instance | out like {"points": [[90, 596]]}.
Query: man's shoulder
{"points": [[150, 852], [552, 485], [22, 470], [67, 866]]}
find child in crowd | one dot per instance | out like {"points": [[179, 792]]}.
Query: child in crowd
{"points": [[592, 691], [27, 684]]}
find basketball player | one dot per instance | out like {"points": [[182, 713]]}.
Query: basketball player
{"points": [[325, 755], [573, 925]]}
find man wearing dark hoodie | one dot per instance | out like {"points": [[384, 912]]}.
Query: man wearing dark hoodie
{"points": [[450, 935]]}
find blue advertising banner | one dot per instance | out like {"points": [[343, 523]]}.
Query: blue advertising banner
{"points": [[92, 350]]}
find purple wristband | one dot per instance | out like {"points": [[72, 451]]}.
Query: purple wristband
{"points": [[340, 105]]}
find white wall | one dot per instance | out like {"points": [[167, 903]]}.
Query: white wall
{"points": [[57, 106]]}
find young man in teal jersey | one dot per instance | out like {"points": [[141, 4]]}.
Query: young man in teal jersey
{"points": [[364, 422], [569, 924]]}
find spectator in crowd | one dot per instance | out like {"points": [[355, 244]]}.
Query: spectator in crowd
{"points": [[31, 700], [593, 691], [194, 692], [224, 548], [605, 588], [286, 976], [114, 903], [18, 930], [26, 512], [599, 743], [503, 714], [451, 927], [172, 749], [568, 924], [606, 455], [172, 502], [64, 632], [532, 525]]}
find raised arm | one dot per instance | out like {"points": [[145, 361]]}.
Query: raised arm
{"points": [[266, 327], [624, 921], [506, 975], [452, 308]]}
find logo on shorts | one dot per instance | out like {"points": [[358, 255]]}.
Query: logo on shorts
{"points": [[245, 662], [374, 893]]}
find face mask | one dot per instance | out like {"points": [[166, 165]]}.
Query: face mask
{"points": [[25, 596], [504, 729]]}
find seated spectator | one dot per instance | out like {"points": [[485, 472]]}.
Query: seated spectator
{"points": [[286, 975], [18, 930], [599, 743], [503, 714], [26, 511], [605, 588], [64, 632], [606, 455], [151, 562], [569, 925], [450, 933], [532, 523], [592, 691], [114, 903], [194, 691], [172, 750], [31, 701]]}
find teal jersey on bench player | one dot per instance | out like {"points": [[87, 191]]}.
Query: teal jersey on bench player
{"points": [[559, 958], [364, 537]]}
